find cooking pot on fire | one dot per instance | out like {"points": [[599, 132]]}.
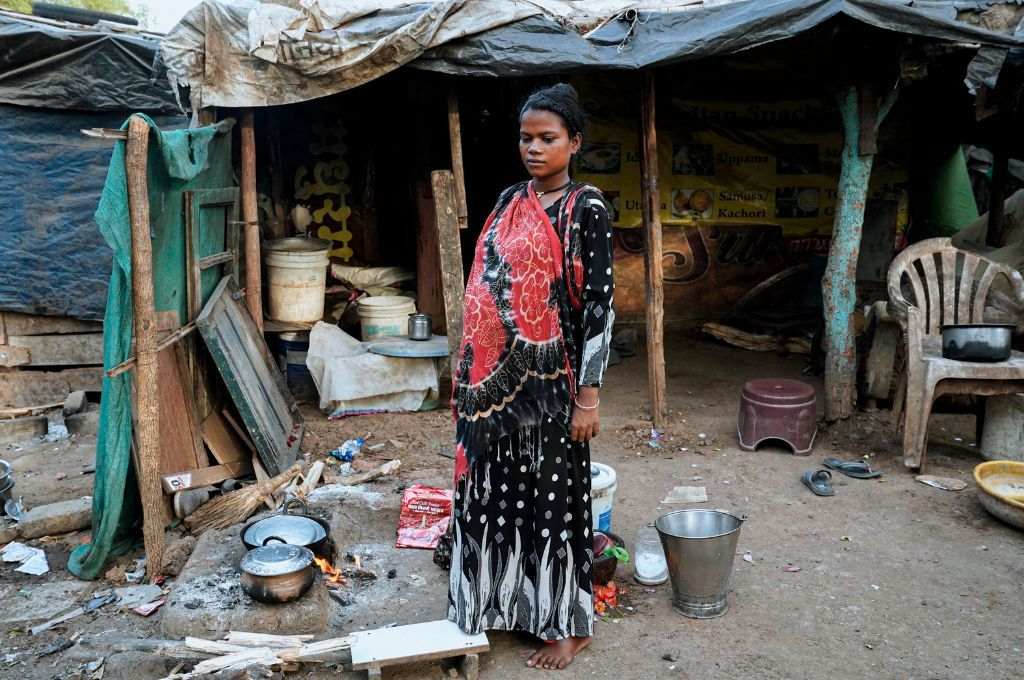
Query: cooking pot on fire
{"points": [[286, 527], [277, 573]]}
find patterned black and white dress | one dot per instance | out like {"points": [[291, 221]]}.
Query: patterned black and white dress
{"points": [[523, 539]]}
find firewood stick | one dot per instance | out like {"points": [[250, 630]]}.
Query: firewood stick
{"points": [[311, 480], [246, 639], [382, 470]]}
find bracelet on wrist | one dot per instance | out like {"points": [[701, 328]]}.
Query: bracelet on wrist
{"points": [[586, 408]]}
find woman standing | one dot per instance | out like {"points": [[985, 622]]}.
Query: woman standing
{"points": [[537, 327]]}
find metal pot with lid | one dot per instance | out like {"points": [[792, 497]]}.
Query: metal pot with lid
{"points": [[299, 529], [277, 573]]}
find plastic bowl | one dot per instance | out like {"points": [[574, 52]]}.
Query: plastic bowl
{"points": [[605, 565], [1001, 490]]}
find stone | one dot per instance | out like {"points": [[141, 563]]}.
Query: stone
{"points": [[41, 602], [8, 532], [86, 423], [57, 518], [207, 599], [17, 430], [115, 574], [470, 666], [130, 597], [75, 403], [134, 665], [176, 554]]}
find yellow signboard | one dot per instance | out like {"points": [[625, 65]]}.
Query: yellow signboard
{"points": [[730, 162]]}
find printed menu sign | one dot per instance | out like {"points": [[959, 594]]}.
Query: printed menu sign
{"points": [[731, 163]]}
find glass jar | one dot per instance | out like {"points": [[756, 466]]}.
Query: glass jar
{"points": [[649, 565]]}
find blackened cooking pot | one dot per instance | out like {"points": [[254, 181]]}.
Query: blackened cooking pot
{"points": [[988, 342], [277, 573]]}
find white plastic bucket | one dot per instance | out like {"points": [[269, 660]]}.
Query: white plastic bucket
{"points": [[602, 493], [385, 315], [296, 278]]}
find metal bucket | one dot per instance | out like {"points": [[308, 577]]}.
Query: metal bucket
{"points": [[700, 546]]}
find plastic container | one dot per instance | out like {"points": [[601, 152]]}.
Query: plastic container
{"points": [[602, 493], [292, 348], [700, 546], [649, 565], [296, 278], [1003, 436], [385, 315]]}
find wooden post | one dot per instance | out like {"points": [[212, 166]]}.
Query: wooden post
{"points": [[146, 406], [253, 289], [278, 226], [455, 137], [652, 253], [995, 233], [429, 289], [208, 115], [450, 246], [839, 285]]}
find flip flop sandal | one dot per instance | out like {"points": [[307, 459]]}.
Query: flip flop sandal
{"points": [[819, 482], [857, 469]]}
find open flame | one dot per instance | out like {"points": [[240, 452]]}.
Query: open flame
{"points": [[332, 576]]}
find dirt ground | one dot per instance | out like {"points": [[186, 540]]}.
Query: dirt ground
{"points": [[896, 579]]}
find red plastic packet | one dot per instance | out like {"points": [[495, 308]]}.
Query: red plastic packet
{"points": [[426, 512]]}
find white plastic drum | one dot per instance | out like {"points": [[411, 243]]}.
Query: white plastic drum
{"points": [[602, 493], [385, 315], [296, 278]]}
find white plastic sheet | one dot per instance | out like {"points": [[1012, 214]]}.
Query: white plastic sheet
{"points": [[351, 380]]}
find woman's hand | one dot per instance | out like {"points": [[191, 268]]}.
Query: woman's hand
{"points": [[586, 423]]}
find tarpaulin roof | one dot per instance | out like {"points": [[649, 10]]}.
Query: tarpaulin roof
{"points": [[59, 65], [245, 53], [55, 79]]}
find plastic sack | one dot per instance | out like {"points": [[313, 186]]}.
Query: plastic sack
{"points": [[426, 512]]}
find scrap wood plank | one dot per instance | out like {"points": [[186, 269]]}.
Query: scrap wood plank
{"points": [[28, 410], [417, 642], [223, 442], [239, 430], [75, 349], [11, 356], [26, 387], [32, 324], [181, 441], [215, 474], [252, 377]]}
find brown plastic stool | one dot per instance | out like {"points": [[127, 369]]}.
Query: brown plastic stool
{"points": [[778, 409]]}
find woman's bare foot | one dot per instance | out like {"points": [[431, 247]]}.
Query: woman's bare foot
{"points": [[558, 654]]}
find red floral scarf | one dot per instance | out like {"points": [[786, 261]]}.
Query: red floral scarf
{"points": [[514, 365]]}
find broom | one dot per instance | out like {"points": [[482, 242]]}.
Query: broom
{"points": [[237, 506]]}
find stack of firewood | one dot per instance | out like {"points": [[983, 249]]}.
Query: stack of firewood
{"points": [[240, 651]]}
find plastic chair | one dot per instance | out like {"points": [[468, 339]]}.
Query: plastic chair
{"points": [[948, 286]]}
